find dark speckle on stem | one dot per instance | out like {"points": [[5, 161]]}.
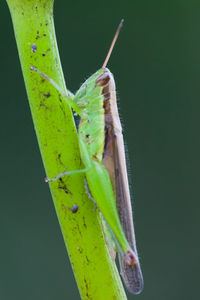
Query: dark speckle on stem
{"points": [[84, 224], [62, 186], [74, 208], [59, 157], [88, 261], [60, 98], [79, 249], [34, 48], [86, 285], [47, 95]]}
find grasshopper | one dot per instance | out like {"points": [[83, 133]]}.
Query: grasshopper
{"points": [[102, 153]]}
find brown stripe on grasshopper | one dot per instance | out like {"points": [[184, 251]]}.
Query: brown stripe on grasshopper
{"points": [[115, 164], [106, 95], [103, 79]]}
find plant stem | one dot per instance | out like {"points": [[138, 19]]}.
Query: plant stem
{"points": [[96, 274]]}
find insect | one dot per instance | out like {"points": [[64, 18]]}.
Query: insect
{"points": [[102, 153]]}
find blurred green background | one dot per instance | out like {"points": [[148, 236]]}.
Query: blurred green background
{"points": [[156, 64]]}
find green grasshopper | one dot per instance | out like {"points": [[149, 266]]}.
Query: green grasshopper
{"points": [[102, 153]]}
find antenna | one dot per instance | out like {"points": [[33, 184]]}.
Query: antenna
{"points": [[113, 43]]}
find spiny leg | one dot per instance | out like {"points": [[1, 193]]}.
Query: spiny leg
{"points": [[67, 96], [67, 173], [57, 87]]}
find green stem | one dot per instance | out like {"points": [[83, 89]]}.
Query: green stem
{"points": [[96, 274]]}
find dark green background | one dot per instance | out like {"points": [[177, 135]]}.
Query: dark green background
{"points": [[156, 64]]}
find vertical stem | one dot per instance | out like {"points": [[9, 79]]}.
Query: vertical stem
{"points": [[96, 275]]}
